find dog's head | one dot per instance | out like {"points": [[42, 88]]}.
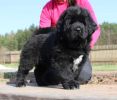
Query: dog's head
{"points": [[75, 24]]}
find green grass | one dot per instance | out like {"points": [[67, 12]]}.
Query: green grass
{"points": [[104, 67], [96, 67], [12, 65]]}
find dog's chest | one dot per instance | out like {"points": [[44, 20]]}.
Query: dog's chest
{"points": [[73, 57], [76, 63]]}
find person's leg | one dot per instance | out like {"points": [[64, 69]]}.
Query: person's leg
{"points": [[85, 73]]}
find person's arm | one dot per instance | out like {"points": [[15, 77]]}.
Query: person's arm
{"points": [[96, 34], [45, 18]]}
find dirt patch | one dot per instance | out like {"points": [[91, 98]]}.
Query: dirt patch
{"points": [[104, 78]]}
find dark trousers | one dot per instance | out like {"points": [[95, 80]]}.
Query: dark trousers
{"points": [[86, 72]]}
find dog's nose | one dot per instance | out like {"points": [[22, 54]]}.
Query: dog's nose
{"points": [[78, 29]]}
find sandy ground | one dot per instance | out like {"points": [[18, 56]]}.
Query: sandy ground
{"points": [[86, 92], [104, 91]]}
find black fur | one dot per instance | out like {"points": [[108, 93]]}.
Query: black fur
{"points": [[52, 54]]}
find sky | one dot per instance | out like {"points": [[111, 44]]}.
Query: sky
{"points": [[20, 14]]}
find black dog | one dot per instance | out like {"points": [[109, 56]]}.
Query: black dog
{"points": [[53, 54]]}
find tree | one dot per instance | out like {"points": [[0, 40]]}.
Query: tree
{"points": [[108, 34]]}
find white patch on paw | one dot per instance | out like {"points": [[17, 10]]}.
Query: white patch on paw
{"points": [[76, 62]]}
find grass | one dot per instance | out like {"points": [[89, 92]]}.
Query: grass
{"points": [[12, 65], [95, 67], [104, 67]]}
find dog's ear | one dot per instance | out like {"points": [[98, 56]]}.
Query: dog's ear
{"points": [[91, 26], [67, 16], [60, 23], [60, 26]]}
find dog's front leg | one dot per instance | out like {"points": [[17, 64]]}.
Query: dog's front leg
{"points": [[25, 66], [71, 84], [27, 61], [21, 77], [67, 77]]}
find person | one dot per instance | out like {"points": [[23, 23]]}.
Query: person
{"points": [[50, 15]]}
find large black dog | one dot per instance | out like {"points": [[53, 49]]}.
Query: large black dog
{"points": [[59, 55]]}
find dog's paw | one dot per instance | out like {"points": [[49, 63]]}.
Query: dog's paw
{"points": [[20, 83], [71, 85]]}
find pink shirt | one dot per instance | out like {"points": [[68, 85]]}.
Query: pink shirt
{"points": [[50, 16]]}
